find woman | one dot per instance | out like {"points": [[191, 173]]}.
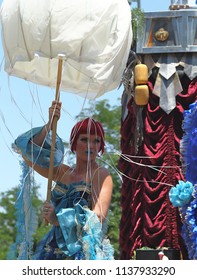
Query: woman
{"points": [[81, 197]]}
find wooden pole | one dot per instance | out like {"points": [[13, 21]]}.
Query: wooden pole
{"points": [[54, 130]]}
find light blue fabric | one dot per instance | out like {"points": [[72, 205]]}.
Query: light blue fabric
{"points": [[26, 218], [66, 235], [40, 155], [80, 231]]}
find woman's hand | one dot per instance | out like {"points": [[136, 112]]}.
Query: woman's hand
{"points": [[48, 212], [54, 111]]}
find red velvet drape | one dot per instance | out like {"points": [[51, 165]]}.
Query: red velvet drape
{"points": [[148, 217]]}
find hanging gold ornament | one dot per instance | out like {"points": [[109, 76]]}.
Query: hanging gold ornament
{"points": [[162, 35], [141, 74], [141, 95]]}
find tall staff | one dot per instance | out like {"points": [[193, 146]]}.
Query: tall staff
{"points": [[54, 130]]}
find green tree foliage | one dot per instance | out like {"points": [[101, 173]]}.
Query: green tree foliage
{"points": [[137, 22], [8, 230], [7, 221]]}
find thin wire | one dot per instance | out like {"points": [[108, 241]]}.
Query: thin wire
{"points": [[15, 103], [130, 178]]}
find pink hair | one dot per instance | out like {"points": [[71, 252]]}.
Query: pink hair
{"points": [[87, 126]]}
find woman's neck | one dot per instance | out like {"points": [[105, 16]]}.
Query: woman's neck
{"points": [[84, 167]]}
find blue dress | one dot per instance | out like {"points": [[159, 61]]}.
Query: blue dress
{"points": [[80, 234]]}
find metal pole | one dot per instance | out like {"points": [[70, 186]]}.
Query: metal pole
{"points": [[138, 3]]}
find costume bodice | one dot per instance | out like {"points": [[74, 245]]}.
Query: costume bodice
{"points": [[67, 196]]}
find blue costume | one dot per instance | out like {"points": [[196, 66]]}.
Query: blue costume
{"points": [[80, 234]]}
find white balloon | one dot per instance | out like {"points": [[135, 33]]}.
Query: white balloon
{"points": [[94, 37]]}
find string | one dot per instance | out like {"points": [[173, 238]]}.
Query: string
{"points": [[121, 174]]}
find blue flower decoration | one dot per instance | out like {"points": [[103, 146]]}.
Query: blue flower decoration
{"points": [[181, 194]]}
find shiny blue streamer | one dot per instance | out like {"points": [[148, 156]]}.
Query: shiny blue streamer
{"points": [[26, 218]]}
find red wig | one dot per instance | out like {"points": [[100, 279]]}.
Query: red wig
{"points": [[87, 126]]}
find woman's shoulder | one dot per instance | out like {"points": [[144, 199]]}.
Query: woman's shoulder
{"points": [[100, 175], [102, 171]]}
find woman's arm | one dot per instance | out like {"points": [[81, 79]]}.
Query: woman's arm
{"points": [[35, 146], [101, 194]]}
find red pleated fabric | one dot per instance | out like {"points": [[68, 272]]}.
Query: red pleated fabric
{"points": [[148, 217]]}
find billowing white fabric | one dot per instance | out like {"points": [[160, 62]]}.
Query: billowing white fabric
{"points": [[93, 35]]}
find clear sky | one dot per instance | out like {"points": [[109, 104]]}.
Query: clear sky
{"points": [[18, 113]]}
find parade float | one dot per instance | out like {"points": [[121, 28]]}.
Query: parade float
{"points": [[158, 135]]}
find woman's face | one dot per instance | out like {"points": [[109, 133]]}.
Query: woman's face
{"points": [[88, 146]]}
